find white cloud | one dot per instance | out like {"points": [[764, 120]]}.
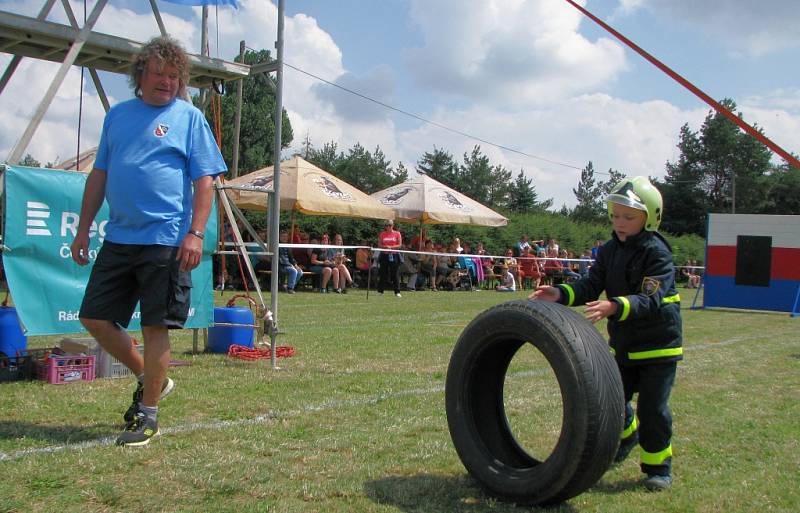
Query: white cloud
{"points": [[505, 60], [378, 84], [56, 137], [746, 26], [509, 51], [635, 138], [778, 113]]}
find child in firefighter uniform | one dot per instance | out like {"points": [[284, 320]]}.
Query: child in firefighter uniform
{"points": [[637, 273]]}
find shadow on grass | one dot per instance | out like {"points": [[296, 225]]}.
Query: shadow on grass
{"points": [[12, 430], [431, 493], [611, 488]]}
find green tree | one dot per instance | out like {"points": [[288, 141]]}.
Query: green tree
{"points": [[589, 208], [475, 175], [685, 202], [727, 154], [440, 166], [29, 161], [522, 196], [327, 158], [784, 184], [257, 135], [369, 172], [720, 169], [614, 177]]}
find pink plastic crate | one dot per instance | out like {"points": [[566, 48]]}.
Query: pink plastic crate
{"points": [[59, 370]]}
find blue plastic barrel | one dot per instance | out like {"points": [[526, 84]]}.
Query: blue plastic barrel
{"points": [[220, 338], [12, 340]]}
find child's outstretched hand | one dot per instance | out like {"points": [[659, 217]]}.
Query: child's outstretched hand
{"points": [[596, 310], [545, 293]]}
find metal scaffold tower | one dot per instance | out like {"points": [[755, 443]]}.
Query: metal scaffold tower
{"points": [[75, 45]]}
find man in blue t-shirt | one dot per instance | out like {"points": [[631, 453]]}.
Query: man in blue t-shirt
{"points": [[155, 166]]}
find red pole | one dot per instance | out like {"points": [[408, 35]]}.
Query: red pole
{"points": [[688, 85]]}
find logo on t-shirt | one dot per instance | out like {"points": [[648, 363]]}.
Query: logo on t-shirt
{"points": [[161, 130]]}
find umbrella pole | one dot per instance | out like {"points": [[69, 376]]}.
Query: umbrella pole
{"points": [[369, 273]]}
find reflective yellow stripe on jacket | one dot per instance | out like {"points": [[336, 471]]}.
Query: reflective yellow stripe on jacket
{"points": [[570, 293], [626, 308]]}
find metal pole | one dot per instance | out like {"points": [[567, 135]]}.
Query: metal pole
{"points": [[160, 22], [101, 93], [274, 221], [61, 74], [204, 92], [237, 122]]}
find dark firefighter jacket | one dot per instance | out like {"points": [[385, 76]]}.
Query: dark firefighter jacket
{"points": [[639, 275]]}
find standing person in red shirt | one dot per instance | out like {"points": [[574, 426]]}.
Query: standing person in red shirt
{"points": [[389, 261]]}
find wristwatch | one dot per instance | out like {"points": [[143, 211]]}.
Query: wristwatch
{"points": [[197, 234]]}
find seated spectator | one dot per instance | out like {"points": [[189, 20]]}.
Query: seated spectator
{"points": [[301, 255], [536, 245], [566, 267], [688, 272], [410, 267], [553, 268], [474, 265], [427, 264], [363, 257], [696, 273], [522, 245], [486, 263], [418, 242], [340, 262], [552, 245], [363, 261], [320, 265], [508, 284], [585, 263], [597, 245], [287, 266], [259, 262], [443, 269], [511, 263], [530, 269]]}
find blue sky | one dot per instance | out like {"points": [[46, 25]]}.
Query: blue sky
{"points": [[531, 75]]}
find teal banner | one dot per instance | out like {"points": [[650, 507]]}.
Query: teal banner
{"points": [[41, 217]]}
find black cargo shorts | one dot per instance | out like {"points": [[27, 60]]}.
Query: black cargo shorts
{"points": [[125, 274]]}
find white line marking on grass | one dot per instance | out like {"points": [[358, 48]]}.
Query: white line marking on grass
{"points": [[224, 424], [311, 408]]}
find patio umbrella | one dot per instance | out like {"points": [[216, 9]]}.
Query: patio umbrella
{"points": [[83, 162], [424, 200], [308, 189]]}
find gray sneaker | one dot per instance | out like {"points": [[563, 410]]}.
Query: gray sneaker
{"points": [[138, 432], [133, 409], [656, 483]]}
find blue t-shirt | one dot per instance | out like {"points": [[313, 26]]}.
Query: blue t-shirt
{"points": [[151, 156]]}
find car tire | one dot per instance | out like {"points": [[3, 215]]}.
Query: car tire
{"points": [[591, 397]]}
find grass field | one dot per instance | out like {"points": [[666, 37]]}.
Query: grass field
{"points": [[355, 421]]}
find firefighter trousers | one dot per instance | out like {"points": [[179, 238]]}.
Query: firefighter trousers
{"points": [[653, 384]]}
